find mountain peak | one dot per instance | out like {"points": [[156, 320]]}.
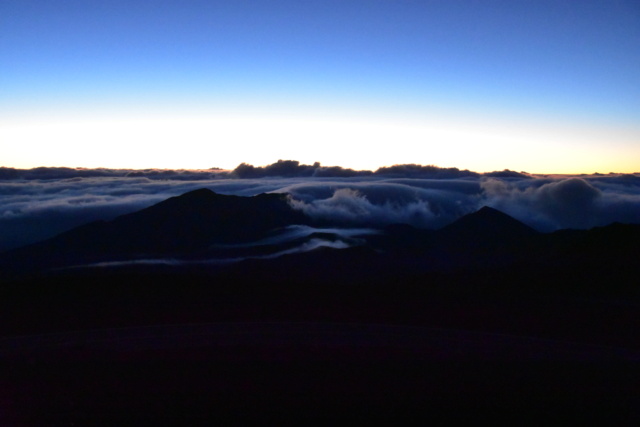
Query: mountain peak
{"points": [[488, 210], [200, 192], [489, 222]]}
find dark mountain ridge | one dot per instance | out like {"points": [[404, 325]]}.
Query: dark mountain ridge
{"points": [[202, 224]]}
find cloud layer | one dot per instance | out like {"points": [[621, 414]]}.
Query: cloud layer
{"points": [[38, 203]]}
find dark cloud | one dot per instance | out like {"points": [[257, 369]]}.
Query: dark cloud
{"points": [[282, 168], [507, 174], [174, 175], [9, 173], [293, 168], [420, 171], [39, 203], [338, 172], [57, 173], [54, 173]]}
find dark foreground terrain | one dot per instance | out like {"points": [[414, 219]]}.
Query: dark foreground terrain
{"points": [[485, 318]]}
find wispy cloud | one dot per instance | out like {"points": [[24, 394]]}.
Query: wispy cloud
{"points": [[294, 232], [307, 246]]}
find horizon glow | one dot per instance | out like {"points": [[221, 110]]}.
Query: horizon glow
{"points": [[204, 139], [550, 87]]}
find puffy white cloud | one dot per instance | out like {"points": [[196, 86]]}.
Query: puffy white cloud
{"points": [[349, 206]]}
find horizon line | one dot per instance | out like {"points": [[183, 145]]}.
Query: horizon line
{"points": [[316, 165]]}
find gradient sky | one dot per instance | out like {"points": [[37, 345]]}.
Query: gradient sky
{"points": [[541, 86]]}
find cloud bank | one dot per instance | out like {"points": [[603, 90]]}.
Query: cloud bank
{"points": [[576, 202], [38, 203]]}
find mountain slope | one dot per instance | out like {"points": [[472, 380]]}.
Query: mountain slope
{"points": [[182, 225]]}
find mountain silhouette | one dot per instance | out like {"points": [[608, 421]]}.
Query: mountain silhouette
{"points": [[485, 237], [185, 225], [485, 228], [204, 225], [488, 223], [202, 217]]}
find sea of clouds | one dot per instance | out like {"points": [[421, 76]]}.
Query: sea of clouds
{"points": [[36, 204]]}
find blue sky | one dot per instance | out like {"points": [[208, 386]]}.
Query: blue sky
{"points": [[543, 86]]}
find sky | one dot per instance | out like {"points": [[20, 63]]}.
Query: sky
{"points": [[538, 86]]}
